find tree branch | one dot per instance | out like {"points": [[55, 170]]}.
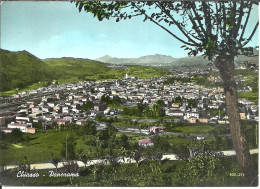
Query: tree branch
{"points": [[185, 33], [241, 13], [224, 19], [252, 34], [247, 18], [193, 6], [150, 18], [195, 26], [207, 18]]}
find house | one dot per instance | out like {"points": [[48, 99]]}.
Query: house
{"points": [[175, 113], [223, 121], [6, 130], [242, 115], [62, 122], [192, 119], [2, 121], [191, 114], [100, 107], [203, 120], [177, 106], [56, 108], [35, 110], [213, 106], [22, 119], [156, 130], [22, 127], [81, 122], [47, 109], [200, 137], [16, 96], [145, 142], [31, 130]]}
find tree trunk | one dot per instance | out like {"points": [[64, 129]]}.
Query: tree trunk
{"points": [[226, 67]]}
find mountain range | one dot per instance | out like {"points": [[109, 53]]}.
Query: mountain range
{"points": [[168, 62]]}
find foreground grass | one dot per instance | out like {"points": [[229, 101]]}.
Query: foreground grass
{"points": [[38, 148]]}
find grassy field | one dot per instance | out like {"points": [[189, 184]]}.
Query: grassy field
{"points": [[38, 148], [200, 129], [41, 145], [249, 95]]}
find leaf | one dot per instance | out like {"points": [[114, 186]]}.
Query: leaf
{"points": [[80, 6]]}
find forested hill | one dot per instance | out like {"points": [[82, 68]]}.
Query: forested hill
{"points": [[20, 69]]}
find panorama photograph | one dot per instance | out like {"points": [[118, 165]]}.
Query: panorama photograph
{"points": [[129, 93]]}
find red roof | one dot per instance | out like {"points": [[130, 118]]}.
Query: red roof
{"points": [[145, 141]]}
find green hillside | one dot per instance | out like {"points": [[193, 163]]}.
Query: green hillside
{"points": [[20, 69], [25, 71]]}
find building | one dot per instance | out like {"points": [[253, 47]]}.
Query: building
{"points": [[30, 130], [156, 130], [175, 113], [62, 122], [145, 142], [192, 120], [242, 115], [6, 130], [203, 120], [22, 127], [191, 114], [2, 121], [81, 122], [100, 107]]}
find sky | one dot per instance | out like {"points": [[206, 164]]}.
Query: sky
{"points": [[57, 29]]}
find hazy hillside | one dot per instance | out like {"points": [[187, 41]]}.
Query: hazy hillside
{"points": [[147, 60], [168, 62], [20, 69]]}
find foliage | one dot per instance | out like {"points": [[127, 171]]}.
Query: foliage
{"points": [[89, 128], [114, 101], [68, 147], [204, 168], [125, 142], [15, 136], [20, 69], [161, 143], [87, 105], [143, 110], [250, 130]]}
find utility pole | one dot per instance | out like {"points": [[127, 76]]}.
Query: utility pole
{"points": [[66, 146], [256, 133]]}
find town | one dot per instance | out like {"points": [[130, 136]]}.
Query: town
{"points": [[76, 103]]}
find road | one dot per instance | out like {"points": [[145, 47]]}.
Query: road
{"points": [[40, 166]]}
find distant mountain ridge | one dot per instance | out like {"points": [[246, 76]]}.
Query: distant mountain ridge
{"points": [[157, 58], [168, 62]]}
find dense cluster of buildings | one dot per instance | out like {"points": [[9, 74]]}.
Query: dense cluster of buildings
{"points": [[62, 105]]}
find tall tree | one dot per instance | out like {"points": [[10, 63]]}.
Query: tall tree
{"points": [[215, 29]]}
